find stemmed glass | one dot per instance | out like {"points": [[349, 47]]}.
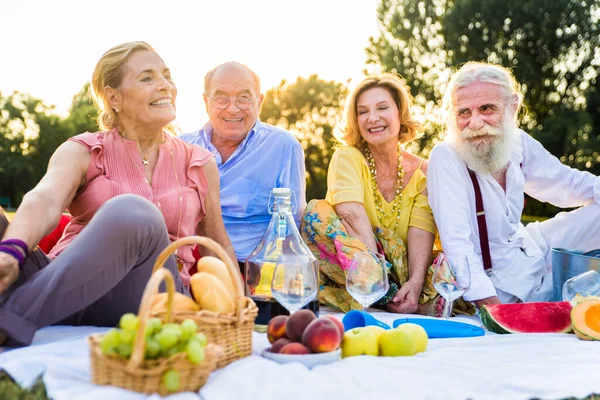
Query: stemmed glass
{"points": [[367, 278], [586, 284], [294, 282], [451, 280]]}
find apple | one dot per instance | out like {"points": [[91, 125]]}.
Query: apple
{"points": [[396, 342], [377, 330], [359, 341], [417, 333]]}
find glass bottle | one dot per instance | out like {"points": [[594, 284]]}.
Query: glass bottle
{"points": [[281, 238]]}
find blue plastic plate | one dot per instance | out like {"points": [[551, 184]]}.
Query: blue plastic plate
{"points": [[441, 328]]}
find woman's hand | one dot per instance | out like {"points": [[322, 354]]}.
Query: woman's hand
{"points": [[9, 271], [406, 300]]}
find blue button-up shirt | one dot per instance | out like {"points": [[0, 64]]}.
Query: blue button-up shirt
{"points": [[269, 157]]}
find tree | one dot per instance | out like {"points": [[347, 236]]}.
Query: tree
{"points": [[552, 47], [309, 108], [83, 114], [29, 133]]}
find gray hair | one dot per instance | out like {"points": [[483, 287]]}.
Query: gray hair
{"points": [[474, 72], [230, 64]]}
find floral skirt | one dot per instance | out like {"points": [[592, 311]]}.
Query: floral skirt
{"points": [[334, 248]]}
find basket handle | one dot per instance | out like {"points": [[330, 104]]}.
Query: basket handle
{"points": [[234, 271], [139, 344]]}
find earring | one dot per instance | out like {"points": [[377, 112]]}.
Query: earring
{"points": [[116, 110]]}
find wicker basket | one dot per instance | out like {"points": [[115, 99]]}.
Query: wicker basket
{"points": [[233, 332], [145, 376]]}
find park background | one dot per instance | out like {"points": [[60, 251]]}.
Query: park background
{"points": [[308, 54]]}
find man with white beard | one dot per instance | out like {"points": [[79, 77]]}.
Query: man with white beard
{"points": [[484, 151]]}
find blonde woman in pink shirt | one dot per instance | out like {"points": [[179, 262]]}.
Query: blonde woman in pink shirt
{"points": [[131, 189]]}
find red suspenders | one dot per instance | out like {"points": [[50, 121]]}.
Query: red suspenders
{"points": [[481, 224]]}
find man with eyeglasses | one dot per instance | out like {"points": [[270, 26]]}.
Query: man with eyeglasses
{"points": [[252, 157]]}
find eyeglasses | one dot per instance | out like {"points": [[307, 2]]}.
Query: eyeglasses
{"points": [[241, 102]]}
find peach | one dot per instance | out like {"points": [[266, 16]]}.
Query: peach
{"points": [[276, 328], [322, 336], [278, 344], [294, 348], [338, 323], [297, 323]]}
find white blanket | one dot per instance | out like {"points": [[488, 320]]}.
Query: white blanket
{"points": [[550, 366]]}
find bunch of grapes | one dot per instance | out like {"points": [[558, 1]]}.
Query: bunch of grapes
{"points": [[161, 340]]}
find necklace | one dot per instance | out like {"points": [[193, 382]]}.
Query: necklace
{"points": [[180, 208], [397, 201]]}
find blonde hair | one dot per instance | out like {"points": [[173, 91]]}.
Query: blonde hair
{"points": [[474, 72], [349, 132], [109, 72]]}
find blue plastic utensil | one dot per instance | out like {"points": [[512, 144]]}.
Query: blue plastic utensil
{"points": [[440, 328], [358, 319]]}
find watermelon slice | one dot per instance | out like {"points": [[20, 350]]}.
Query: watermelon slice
{"points": [[527, 317]]}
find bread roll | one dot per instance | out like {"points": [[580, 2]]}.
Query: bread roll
{"points": [[216, 267], [211, 294], [181, 302]]}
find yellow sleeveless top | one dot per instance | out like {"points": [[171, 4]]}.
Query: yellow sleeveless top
{"points": [[349, 179]]}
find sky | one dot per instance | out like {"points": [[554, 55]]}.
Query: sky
{"points": [[50, 47]]}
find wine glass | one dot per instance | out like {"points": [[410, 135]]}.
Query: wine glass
{"points": [[451, 280], [367, 278], [294, 282], [586, 284]]}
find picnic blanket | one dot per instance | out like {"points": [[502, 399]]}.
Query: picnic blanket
{"points": [[548, 366]]}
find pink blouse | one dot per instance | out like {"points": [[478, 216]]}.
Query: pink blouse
{"points": [[116, 168]]}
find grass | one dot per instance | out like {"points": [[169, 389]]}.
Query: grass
{"points": [[9, 390]]}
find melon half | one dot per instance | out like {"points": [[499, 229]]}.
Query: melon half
{"points": [[585, 317], [542, 317]]}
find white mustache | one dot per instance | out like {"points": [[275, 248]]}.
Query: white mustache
{"points": [[486, 130]]}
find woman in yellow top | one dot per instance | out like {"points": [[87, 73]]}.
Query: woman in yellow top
{"points": [[376, 201]]}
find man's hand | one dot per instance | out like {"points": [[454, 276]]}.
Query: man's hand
{"points": [[9, 271], [487, 301], [406, 299]]}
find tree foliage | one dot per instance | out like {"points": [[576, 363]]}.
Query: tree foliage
{"points": [[551, 46], [309, 108], [30, 132]]}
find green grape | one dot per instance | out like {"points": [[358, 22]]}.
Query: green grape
{"points": [[195, 352], [153, 326], [110, 340], [171, 325], [171, 380], [129, 322], [200, 338], [188, 328], [127, 336], [152, 348], [166, 339], [124, 350]]}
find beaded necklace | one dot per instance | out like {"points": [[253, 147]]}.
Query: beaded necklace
{"points": [[180, 208], [397, 201]]}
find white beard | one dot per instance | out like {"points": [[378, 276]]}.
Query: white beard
{"points": [[486, 157]]}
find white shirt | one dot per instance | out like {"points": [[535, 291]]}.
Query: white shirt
{"points": [[519, 269]]}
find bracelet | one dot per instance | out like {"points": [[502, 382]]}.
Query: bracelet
{"points": [[16, 242], [389, 295], [13, 252]]}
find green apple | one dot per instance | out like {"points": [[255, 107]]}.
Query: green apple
{"points": [[417, 333], [395, 342], [377, 330], [359, 341]]}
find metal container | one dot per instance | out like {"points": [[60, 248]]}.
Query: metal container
{"points": [[567, 263]]}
